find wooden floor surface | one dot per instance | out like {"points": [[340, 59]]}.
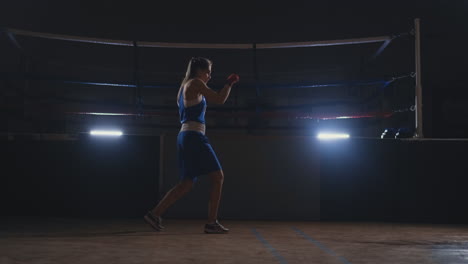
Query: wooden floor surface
{"points": [[69, 241]]}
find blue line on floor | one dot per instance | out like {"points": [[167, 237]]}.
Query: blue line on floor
{"points": [[267, 245], [321, 246]]}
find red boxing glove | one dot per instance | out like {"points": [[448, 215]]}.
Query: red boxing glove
{"points": [[232, 79]]}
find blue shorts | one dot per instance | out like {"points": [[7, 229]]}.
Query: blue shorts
{"points": [[196, 156]]}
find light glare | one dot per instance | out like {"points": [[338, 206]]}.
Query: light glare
{"points": [[108, 114], [106, 133], [326, 136]]}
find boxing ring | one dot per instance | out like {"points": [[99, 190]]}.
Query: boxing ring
{"points": [[256, 111]]}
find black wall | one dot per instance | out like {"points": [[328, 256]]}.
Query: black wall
{"points": [[276, 178], [444, 62], [89, 177], [390, 180]]}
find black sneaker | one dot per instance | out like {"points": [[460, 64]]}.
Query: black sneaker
{"points": [[153, 221], [215, 228]]}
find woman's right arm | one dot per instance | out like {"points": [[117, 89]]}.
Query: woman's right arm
{"points": [[210, 95]]}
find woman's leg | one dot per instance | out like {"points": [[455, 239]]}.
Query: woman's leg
{"points": [[172, 196], [213, 226], [216, 179]]}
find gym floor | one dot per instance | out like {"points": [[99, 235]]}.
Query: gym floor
{"points": [[56, 240]]}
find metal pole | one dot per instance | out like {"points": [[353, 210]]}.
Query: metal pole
{"points": [[137, 93], [255, 71], [257, 87], [200, 45], [161, 167], [418, 93], [27, 84]]}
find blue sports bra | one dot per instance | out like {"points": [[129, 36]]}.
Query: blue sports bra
{"points": [[192, 113]]}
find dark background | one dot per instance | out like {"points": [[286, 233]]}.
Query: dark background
{"points": [[443, 26], [50, 167]]}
